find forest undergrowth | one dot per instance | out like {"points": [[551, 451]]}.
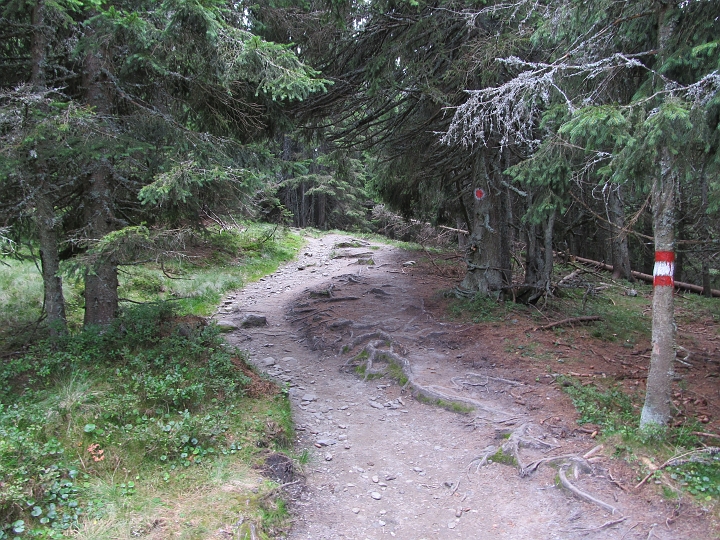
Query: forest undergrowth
{"points": [[591, 336], [142, 426]]}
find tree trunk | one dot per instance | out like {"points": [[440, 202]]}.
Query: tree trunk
{"points": [[656, 410], [38, 47], [532, 256], [705, 232], [44, 216], [548, 245], [321, 211], [54, 301], [101, 280], [618, 236], [537, 265], [303, 205], [484, 255]]}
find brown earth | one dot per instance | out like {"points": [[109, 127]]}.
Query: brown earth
{"points": [[382, 463]]}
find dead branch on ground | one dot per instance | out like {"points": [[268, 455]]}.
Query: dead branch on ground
{"points": [[569, 321], [681, 459]]}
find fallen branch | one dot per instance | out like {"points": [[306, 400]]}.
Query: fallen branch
{"points": [[703, 434], [679, 460], [581, 494], [572, 275], [648, 278], [571, 320]]}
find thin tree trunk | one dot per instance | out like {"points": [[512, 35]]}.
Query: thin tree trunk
{"points": [[303, 205], [101, 281], [54, 300], [618, 239], [656, 410], [321, 209], [705, 231], [532, 256], [548, 244], [45, 219]]}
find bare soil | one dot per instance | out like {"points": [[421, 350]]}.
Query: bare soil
{"points": [[384, 463]]}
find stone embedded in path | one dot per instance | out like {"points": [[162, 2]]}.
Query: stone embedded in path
{"points": [[250, 320], [376, 405], [378, 291], [375, 495], [267, 361], [226, 326], [326, 442], [309, 397]]}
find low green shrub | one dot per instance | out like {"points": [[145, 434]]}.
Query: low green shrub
{"points": [[153, 388], [701, 478]]}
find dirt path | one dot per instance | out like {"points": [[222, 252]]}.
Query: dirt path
{"points": [[385, 464]]}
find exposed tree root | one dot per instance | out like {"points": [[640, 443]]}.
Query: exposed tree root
{"points": [[476, 379], [378, 334], [599, 527], [380, 347], [581, 494], [509, 451]]}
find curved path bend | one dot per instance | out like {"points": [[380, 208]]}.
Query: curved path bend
{"points": [[385, 465]]}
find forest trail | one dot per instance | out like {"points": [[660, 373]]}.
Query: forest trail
{"points": [[384, 464]]}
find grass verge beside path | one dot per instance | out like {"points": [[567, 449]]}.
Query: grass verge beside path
{"points": [[154, 427]]}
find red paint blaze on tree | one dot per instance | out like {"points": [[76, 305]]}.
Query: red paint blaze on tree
{"points": [[664, 269], [479, 194]]}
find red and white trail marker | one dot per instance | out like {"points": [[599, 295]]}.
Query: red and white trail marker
{"points": [[664, 269], [479, 194]]}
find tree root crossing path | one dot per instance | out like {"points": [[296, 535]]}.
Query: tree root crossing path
{"points": [[411, 432]]}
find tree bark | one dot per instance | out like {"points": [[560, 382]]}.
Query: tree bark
{"points": [[618, 240], [54, 300], [101, 280], [705, 232], [656, 410], [485, 257], [539, 255]]}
